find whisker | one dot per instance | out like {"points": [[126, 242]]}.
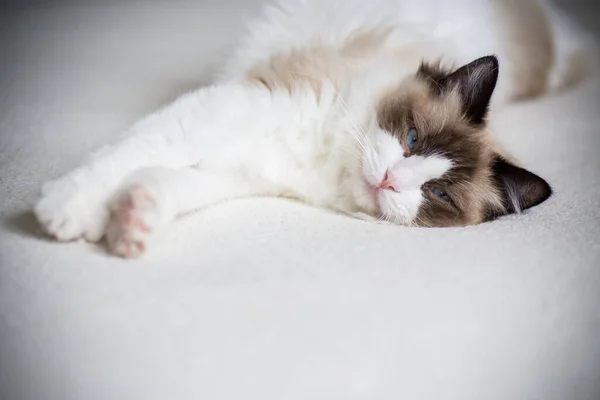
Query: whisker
{"points": [[419, 222]]}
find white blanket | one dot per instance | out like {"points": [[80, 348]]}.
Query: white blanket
{"points": [[268, 299]]}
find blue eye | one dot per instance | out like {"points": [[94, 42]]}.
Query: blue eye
{"points": [[411, 138], [440, 193]]}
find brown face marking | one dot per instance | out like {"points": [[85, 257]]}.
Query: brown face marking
{"points": [[448, 110]]}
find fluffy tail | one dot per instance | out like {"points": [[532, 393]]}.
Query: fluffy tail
{"points": [[576, 54]]}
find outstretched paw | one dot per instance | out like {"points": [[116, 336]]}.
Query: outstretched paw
{"points": [[68, 210], [135, 217]]}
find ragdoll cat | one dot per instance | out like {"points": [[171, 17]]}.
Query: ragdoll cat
{"points": [[376, 109]]}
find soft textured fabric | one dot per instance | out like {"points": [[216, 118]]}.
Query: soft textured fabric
{"points": [[269, 299]]}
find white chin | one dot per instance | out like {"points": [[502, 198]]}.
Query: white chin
{"points": [[390, 213]]}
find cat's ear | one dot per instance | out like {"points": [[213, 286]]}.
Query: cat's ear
{"points": [[520, 189], [476, 82]]}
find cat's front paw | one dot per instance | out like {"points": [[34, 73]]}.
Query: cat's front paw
{"points": [[67, 210], [136, 214]]}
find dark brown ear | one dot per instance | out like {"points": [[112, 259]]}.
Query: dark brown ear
{"points": [[476, 83], [519, 188]]}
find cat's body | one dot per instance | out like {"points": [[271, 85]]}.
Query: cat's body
{"points": [[340, 37], [327, 102]]}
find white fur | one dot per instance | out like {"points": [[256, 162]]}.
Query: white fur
{"points": [[236, 140]]}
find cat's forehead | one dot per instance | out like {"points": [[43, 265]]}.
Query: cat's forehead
{"points": [[414, 99], [438, 118]]}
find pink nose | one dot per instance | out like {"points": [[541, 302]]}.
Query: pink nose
{"points": [[389, 183]]}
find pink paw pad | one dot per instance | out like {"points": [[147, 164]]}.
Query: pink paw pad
{"points": [[128, 248], [133, 219]]}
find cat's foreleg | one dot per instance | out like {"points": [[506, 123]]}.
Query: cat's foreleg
{"points": [[76, 205], [153, 197]]}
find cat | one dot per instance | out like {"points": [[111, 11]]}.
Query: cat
{"points": [[377, 110]]}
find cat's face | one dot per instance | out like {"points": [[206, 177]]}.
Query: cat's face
{"points": [[430, 162]]}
